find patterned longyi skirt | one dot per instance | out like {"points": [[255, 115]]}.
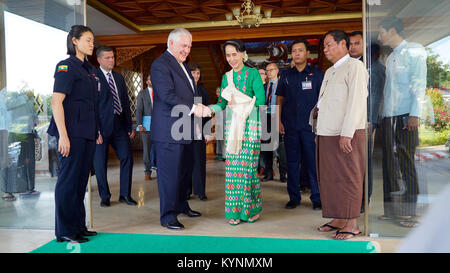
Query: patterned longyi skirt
{"points": [[242, 186]]}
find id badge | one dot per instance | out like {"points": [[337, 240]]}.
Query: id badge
{"points": [[307, 85]]}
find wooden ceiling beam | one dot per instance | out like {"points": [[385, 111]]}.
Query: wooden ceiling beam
{"points": [[148, 20], [213, 3], [213, 10], [266, 32], [321, 2], [164, 14], [196, 16], [180, 2], [130, 5], [155, 6]]}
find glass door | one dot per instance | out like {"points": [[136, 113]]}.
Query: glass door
{"points": [[408, 58], [32, 41]]}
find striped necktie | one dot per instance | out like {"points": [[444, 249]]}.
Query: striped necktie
{"points": [[269, 98], [117, 106]]}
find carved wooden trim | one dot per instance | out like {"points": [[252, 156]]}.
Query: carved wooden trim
{"points": [[124, 54]]}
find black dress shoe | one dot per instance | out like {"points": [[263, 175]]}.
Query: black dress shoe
{"points": [[72, 239], [192, 213], [317, 205], [105, 203], [291, 205], [283, 178], [173, 225], [203, 197], [127, 200], [267, 178], [88, 233]]}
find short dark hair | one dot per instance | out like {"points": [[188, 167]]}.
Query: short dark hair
{"points": [[76, 31], [194, 66], [392, 22], [238, 44], [102, 49], [354, 33], [339, 35], [301, 41]]}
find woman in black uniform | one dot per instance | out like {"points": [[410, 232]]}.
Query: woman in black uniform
{"points": [[74, 123]]}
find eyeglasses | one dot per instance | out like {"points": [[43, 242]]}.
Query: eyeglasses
{"points": [[273, 69]]}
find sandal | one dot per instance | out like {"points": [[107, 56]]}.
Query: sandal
{"points": [[10, 197], [255, 218], [404, 218], [352, 234], [30, 193], [331, 228], [409, 223], [234, 222], [384, 217]]}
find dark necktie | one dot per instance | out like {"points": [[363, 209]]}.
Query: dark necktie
{"points": [[269, 95], [117, 107]]}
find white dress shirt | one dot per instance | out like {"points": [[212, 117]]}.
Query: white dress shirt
{"points": [[150, 92], [341, 61], [189, 78], [185, 72]]}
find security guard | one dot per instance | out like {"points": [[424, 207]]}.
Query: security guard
{"points": [[298, 91], [74, 123]]}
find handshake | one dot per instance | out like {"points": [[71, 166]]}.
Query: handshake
{"points": [[202, 111]]}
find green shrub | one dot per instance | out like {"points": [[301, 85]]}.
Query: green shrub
{"points": [[429, 137], [441, 112]]}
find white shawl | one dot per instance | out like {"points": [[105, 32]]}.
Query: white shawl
{"points": [[241, 106]]}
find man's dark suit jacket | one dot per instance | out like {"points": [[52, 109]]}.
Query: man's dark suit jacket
{"points": [[171, 88], [106, 104], [174, 158]]}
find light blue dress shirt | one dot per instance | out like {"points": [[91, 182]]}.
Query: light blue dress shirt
{"points": [[406, 77]]}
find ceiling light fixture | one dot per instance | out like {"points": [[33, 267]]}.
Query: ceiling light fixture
{"points": [[249, 14]]}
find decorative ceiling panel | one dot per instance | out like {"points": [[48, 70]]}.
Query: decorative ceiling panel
{"points": [[147, 12]]}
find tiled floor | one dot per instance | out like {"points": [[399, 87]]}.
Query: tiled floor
{"points": [[276, 221]]}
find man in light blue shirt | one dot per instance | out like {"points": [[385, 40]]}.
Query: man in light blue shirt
{"points": [[406, 74]]}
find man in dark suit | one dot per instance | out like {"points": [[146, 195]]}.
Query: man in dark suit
{"points": [[267, 154], [144, 108], [115, 128], [356, 45], [172, 127], [198, 182]]}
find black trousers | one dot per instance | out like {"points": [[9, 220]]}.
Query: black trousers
{"points": [[120, 142], [174, 174], [198, 181], [146, 151], [267, 155], [70, 189], [399, 147]]}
